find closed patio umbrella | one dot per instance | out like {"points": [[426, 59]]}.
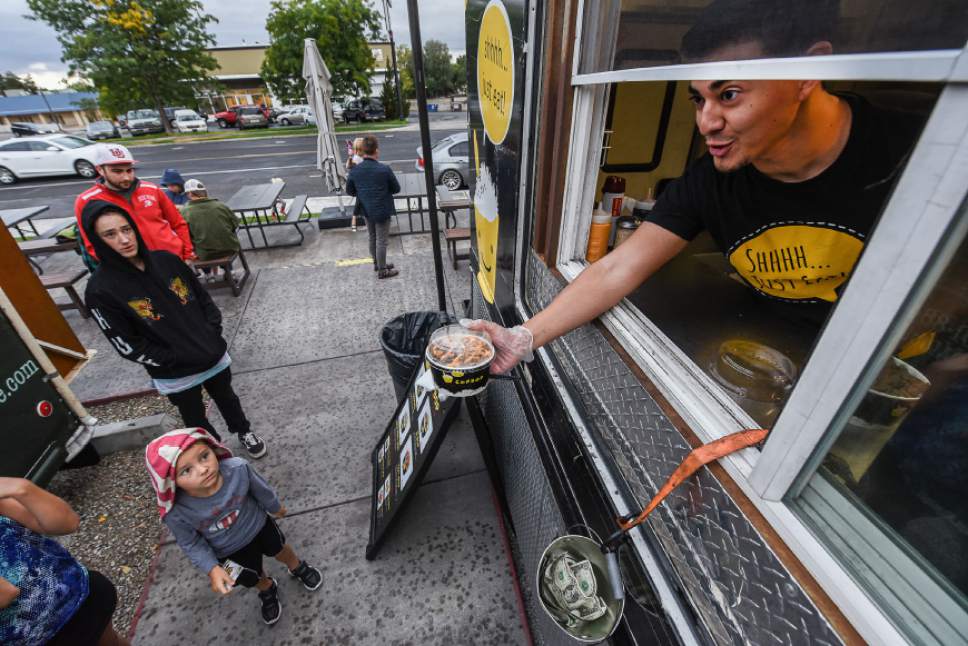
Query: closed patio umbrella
{"points": [[319, 93]]}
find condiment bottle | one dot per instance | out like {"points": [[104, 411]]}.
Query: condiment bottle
{"points": [[598, 235], [613, 195], [613, 192]]}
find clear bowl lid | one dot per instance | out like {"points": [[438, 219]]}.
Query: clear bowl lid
{"points": [[455, 346], [757, 371]]}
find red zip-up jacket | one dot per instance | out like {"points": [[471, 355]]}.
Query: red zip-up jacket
{"points": [[161, 225]]}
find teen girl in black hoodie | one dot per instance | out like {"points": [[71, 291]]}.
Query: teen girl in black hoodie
{"points": [[152, 309]]}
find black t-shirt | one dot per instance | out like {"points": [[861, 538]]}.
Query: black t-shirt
{"points": [[796, 242]]}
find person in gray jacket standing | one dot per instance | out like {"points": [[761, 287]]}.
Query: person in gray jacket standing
{"points": [[374, 186]]}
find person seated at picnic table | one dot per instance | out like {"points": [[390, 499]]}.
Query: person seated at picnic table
{"points": [[212, 224], [173, 185]]}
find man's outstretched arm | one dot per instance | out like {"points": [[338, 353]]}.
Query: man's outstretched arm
{"points": [[599, 288]]}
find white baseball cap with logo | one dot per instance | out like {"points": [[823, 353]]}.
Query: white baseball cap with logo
{"points": [[112, 154], [194, 185]]}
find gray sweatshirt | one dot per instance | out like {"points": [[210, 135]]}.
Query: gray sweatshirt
{"points": [[209, 529]]}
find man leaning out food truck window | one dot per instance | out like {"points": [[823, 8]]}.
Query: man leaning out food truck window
{"points": [[791, 184]]}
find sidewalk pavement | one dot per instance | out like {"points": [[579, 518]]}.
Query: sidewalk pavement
{"points": [[308, 367]]}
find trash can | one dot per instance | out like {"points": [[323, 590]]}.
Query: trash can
{"points": [[404, 340]]}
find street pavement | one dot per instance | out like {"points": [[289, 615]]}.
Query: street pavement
{"points": [[225, 166], [307, 365]]}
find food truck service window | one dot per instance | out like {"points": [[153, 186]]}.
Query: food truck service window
{"points": [[827, 305]]}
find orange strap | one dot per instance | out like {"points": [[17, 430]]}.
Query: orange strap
{"points": [[697, 458]]}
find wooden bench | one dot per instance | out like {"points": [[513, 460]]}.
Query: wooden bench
{"points": [[228, 278], [65, 280], [452, 236]]}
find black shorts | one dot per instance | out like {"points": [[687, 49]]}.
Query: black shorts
{"points": [[93, 615], [269, 542]]}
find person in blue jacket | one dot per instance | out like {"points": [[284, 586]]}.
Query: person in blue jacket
{"points": [[374, 186], [173, 185]]}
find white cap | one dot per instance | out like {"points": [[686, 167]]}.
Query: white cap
{"points": [[112, 154], [194, 185]]}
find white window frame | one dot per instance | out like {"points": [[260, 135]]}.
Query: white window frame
{"points": [[932, 187]]}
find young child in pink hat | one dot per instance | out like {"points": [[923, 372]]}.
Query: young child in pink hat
{"points": [[220, 511]]}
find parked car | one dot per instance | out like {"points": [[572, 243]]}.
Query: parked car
{"points": [[46, 155], [189, 121], [170, 114], [101, 130], [24, 129], [294, 115], [229, 117], [451, 156], [251, 116], [365, 109], [337, 111], [143, 122]]}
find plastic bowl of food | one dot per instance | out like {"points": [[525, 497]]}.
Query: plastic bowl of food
{"points": [[460, 360]]}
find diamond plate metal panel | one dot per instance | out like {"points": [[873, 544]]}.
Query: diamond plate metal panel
{"points": [[733, 580], [532, 505]]}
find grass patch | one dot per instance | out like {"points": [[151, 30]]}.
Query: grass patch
{"points": [[232, 133]]}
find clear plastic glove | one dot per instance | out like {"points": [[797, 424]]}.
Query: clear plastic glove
{"points": [[512, 345]]}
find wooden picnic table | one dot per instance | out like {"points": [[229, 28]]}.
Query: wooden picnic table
{"points": [[44, 247], [259, 200], [450, 202], [14, 218], [413, 188]]}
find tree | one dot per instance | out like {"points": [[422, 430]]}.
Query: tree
{"points": [[459, 69], [438, 71], [389, 99], [11, 81], [340, 28], [405, 66], [137, 53]]}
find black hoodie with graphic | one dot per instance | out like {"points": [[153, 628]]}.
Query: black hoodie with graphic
{"points": [[160, 317]]}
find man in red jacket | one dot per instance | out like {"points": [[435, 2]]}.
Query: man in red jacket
{"points": [[158, 220]]}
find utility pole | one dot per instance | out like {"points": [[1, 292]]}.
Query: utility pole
{"points": [[393, 58], [53, 116]]}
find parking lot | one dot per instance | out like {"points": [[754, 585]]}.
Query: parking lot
{"points": [[226, 165]]}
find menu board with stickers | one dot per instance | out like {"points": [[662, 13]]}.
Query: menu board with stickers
{"points": [[404, 452]]}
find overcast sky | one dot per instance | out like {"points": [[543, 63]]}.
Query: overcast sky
{"points": [[32, 48]]}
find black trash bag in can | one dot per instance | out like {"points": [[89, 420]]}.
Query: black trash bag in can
{"points": [[404, 340]]}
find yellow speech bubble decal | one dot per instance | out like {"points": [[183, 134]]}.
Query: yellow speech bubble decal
{"points": [[797, 262], [495, 71]]}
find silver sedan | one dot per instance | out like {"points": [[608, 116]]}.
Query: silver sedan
{"points": [[451, 156]]}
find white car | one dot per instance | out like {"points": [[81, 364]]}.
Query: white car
{"points": [[46, 155], [294, 115], [189, 121]]}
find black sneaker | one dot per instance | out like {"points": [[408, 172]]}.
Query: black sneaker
{"points": [[389, 266], [387, 273], [308, 575], [254, 444], [271, 607]]}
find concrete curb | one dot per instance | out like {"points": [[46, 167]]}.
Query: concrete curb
{"points": [[131, 434]]}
